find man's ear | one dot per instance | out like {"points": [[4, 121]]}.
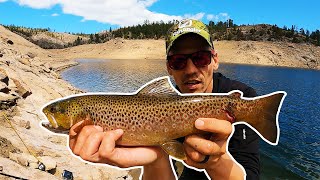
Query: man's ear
{"points": [[169, 69], [215, 60]]}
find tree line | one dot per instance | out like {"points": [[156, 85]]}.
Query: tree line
{"points": [[226, 30]]}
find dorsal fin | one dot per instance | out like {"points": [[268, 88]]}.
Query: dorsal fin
{"points": [[158, 88]]}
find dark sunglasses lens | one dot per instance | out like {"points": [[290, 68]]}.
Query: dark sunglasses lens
{"points": [[177, 62], [202, 58]]}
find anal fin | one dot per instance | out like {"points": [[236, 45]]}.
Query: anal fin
{"points": [[174, 148]]}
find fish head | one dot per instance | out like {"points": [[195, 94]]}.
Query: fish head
{"points": [[58, 116]]}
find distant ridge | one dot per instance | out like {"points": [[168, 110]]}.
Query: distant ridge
{"points": [[156, 30]]}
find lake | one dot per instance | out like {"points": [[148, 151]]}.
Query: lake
{"points": [[297, 156]]}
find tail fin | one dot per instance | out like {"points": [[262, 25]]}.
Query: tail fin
{"points": [[264, 117]]}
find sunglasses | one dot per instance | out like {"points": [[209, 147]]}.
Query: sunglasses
{"points": [[199, 59]]}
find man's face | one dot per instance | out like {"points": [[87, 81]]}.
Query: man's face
{"points": [[192, 79]]}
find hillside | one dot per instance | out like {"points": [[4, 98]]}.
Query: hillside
{"points": [[29, 79], [243, 52]]}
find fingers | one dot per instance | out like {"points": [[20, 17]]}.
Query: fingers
{"points": [[193, 154], [94, 148], [91, 147], [197, 147], [203, 146], [78, 142], [221, 128], [76, 128], [107, 147]]}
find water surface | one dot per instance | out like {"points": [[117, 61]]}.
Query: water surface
{"points": [[297, 156]]}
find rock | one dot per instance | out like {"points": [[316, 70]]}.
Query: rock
{"points": [[34, 165], [10, 42], [6, 147], [22, 90], [4, 77], [47, 68], [49, 162], [7, 100], [24, 61], [31, 55], [23, 158], [24, 124], [4, 88], [1, 55]]}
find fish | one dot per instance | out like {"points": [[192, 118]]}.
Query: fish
{"points": [[157, 114]]}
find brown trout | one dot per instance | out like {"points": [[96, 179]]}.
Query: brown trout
{"points": [[157, 114]]}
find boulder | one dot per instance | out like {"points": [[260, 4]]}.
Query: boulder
{"points": [[23, 158], [4, 77], [25, 61], [7, 100], [10, 42], [22, 90], [6, 147], [49, 162], [31, 55], [4, 88]]}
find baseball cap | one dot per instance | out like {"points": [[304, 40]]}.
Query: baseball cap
{"points": [[187, 26]]}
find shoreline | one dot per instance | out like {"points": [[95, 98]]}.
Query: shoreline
{"points": [[238, 52]]}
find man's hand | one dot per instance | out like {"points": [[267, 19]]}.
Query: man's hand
{"points": [[219, 165], [92, 144]]}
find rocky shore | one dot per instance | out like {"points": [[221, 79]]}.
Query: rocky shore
{"points": [[29, 78]]}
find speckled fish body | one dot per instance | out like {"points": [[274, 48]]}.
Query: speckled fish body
{"points": [[157, 114]]}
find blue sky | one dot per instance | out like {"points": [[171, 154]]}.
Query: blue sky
{"points": [[91, 16]]}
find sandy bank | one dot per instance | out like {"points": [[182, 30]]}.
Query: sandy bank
{"points": [[240, 52]]}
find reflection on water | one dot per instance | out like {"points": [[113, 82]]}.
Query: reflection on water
{"points": [[298, 153], [114, 76]]}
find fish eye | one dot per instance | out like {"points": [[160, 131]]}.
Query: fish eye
{"points": [[52, 110]]}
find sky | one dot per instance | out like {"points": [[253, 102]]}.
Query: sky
{"points": [[92, 16]]}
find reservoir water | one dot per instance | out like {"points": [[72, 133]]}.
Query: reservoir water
{"points": [[297, 156]]}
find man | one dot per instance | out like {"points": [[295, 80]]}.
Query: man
{"points": [[191, 61]]}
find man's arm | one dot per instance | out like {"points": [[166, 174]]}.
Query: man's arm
{"points": [[159, 169]]}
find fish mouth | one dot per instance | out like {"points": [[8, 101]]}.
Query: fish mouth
{"points": [[49, 126], [52, 120]]}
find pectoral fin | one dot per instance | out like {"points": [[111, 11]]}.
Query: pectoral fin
{"points": [[174, 148]]}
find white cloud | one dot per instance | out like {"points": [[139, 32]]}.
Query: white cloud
{"points": [[3, 1], [38, 4], [194, 16], [54, 14], [116, 12], [218, 17]]}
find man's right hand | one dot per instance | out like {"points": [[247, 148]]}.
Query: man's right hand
{"points": [[92, 144]]}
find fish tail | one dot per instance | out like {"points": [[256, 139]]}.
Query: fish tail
{"points": [[264, 116]]}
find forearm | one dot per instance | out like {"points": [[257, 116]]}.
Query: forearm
{"points": [[226, 168], [160, 169]]}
